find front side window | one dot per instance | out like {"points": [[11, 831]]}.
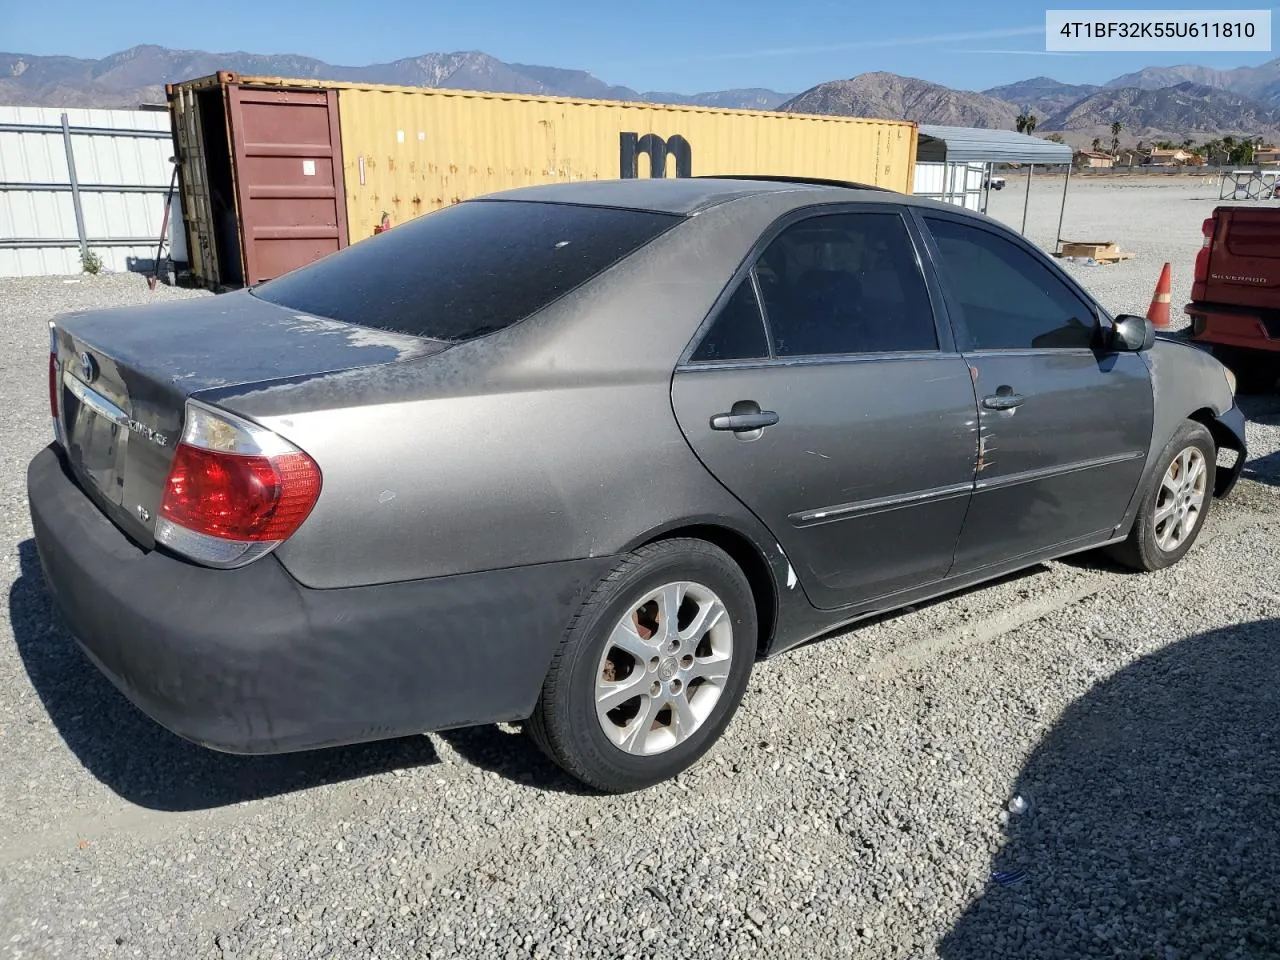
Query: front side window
{"points": [[1008, 299]]}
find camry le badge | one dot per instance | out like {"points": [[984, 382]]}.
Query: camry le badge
{"points": [[155, 436]]}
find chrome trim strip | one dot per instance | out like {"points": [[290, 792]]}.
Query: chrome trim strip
{"points": [[997, 352], [885, 504], [95, 401], [816, 360], [1043, 473], [879, 505]]}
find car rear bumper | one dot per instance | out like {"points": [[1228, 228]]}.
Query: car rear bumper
{"points": [[1232, 327], [250, 661]]}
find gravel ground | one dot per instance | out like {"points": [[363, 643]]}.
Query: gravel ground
{"points": [[858, 805]]}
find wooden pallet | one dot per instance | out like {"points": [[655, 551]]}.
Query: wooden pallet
{"points": [[1107, 251]]}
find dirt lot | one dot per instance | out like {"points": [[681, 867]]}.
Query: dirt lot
{"points": [[859, 805]]}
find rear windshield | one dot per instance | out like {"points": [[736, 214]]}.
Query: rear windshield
{"points": [[466, 270]]}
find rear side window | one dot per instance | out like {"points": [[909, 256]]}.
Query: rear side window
{"points": [[846, 283], [737, 333], [467, 270]]}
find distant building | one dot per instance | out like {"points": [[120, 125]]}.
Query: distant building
{"points": [[1171, 158], [1087, 158], [1267, 156]]}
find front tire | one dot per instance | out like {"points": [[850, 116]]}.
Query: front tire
{"points": [[1176, 503], [652, 669]]}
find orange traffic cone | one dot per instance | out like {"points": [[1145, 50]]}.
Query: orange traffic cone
{"points": [[1158, 312]]}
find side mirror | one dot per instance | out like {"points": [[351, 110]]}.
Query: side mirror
{"points": [[1132, 334]]}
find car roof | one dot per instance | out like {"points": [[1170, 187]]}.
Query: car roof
{"points": [[688, 195]]}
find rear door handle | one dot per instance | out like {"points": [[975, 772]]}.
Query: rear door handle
{"points": [[739, 422], [1003, 401]]}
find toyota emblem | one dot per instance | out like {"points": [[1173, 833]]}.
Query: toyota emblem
{"points": [[88, 369]]}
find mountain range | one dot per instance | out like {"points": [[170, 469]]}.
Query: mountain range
{"points": [[1077, 113], [1173, 103], [138, 75]]}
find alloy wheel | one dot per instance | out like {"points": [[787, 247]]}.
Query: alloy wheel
{"points": [[1180, 500], [663, 668]]}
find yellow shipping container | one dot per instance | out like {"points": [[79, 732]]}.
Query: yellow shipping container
{"points": [[277, 172]]}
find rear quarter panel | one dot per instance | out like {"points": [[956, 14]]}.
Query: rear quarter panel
{"points": [[532, 474]]}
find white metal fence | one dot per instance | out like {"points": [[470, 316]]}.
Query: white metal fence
{"points": [[957, 183], [74, 182]]}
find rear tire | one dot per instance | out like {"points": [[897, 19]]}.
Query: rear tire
{"points": [[1256, 371], [1175, 504], [667, 694]]}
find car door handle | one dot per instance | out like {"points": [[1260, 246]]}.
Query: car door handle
{"points": [[1003, 401], [739, 422]]}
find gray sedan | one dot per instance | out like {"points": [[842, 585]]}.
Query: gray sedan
{"points": [[579, 455]]}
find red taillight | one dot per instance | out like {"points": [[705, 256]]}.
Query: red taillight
{"points": [[53, 385], [235, 490], [1201, 275], [234, 497], [1207, 230], [53, 371]]}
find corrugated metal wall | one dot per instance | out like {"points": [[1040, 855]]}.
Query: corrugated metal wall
{"points": [[39, 234], [408, 152]]}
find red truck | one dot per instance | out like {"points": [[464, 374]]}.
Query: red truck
{"points": [[1235, 294]]}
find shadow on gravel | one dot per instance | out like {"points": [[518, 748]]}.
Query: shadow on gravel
{"points": [[1027, 573], [1264, 469], [1153, 821], [1261, 408], [514, 757], [1096, 561], [140, 760]]}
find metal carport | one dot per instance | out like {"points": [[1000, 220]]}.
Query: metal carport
{"points": [[961, 150]]}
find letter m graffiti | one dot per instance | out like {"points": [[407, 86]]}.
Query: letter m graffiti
{"points": [[631, 145]]}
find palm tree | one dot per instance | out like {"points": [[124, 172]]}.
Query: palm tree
{"points": [[1031, 123], [1097, 144], [1115, 136]]}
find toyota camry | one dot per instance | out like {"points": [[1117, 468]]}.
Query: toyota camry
{"points": [[580, 455]]}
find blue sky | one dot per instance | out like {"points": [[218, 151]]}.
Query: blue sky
{"points": [[684, 47]]}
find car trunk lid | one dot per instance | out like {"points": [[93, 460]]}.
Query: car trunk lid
{"points": [[123, 377]]}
